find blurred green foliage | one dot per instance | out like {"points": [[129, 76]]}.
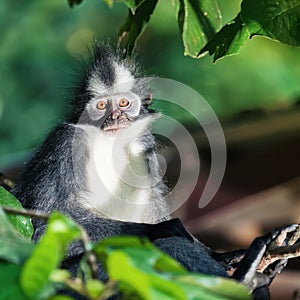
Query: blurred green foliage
{"points": [[38, 39]]}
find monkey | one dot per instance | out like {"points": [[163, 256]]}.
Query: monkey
{"points": [[108, 99], [84, 169]]}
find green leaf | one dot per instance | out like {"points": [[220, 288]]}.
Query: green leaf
{"points": [[60, 297], [109, 2], [214, 287], [133, 4], [9, 278], [60, 275], [21, 223], [144, 271], [123, 242], [13, 247], [228, 40], [198, 21], [144, 253], [47, 255], [138, 260], [279, 20], [94, 288], [139, 279], [135, 25]]}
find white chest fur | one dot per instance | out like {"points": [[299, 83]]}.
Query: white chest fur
{"points": [[118, 183]]}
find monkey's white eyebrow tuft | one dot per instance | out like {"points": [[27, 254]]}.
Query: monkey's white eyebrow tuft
{"points": [[96, 86]]}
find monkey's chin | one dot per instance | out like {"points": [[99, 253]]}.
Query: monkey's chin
{"points": [[115, 128], [112, 131]]}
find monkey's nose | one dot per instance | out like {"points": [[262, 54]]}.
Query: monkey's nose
{"points": [[115, 114]]}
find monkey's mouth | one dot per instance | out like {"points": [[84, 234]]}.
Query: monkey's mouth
{"points": [[113, 126]]}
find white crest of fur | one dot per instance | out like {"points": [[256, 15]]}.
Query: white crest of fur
{"points": [[124, 79], [96, 87], [124, 82]]}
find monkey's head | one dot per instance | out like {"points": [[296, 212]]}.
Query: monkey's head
{"points": [[111, 93]]}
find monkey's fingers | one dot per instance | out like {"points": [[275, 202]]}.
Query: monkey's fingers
{"points": [[282, 248], [247, 268], [251, 269], [284, 237]]}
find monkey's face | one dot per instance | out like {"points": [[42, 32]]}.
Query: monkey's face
{"points": [[114, 112], [113, 96]]}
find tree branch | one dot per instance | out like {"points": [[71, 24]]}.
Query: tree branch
{"points": [[87, 245], [26, 212]]}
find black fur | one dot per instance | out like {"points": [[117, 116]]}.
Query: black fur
{"points": [[100, 58]]}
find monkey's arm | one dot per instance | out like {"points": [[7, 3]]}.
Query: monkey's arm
{"points": [[48, 182]]}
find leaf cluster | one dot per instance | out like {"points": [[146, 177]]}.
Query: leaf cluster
{"points": [[136, 268], [200, 24]]}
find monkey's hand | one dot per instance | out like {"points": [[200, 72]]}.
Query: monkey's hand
{"points": [[266, 257], [285, 246]]}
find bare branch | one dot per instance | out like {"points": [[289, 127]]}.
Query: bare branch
{"points": [[28, 213], [87, 245], [110, 289], [91, 257]]}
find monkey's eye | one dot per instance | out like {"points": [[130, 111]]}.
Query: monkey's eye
{"points": [[124, 103], [101, 105]]}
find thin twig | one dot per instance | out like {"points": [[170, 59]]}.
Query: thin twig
{"points": [[110, 289], [76, 284], [91, 257], [28, 213]]}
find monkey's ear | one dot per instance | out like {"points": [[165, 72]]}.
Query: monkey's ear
{"points": [[148, 100]]}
